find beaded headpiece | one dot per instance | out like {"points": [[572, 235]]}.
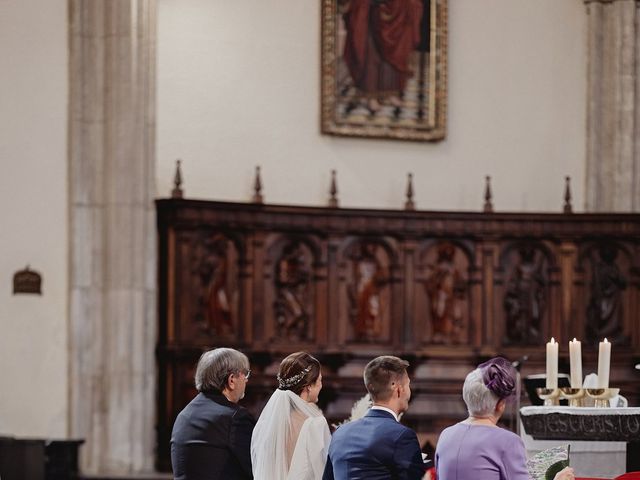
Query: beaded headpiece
{"points": [[287, 383]]}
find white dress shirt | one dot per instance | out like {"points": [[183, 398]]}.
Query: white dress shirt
{"points": [[378, 407]]}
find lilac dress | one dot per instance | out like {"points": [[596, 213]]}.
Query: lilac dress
{"points": [[480, 452]]}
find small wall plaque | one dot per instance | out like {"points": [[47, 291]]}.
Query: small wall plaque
{"points": [[27, 281]]}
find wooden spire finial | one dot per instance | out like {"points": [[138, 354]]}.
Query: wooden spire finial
{"points": [[409, 203], [333, 199], [567, 195], [488, 196], [257, 187], [177, 191]]}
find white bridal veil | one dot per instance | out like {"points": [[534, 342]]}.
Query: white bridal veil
{"points": [[290, 439]]}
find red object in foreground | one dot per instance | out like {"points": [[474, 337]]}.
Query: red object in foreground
{"points": [[629, 476]]}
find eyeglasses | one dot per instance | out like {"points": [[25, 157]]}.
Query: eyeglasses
{"points": [[246, 373]]}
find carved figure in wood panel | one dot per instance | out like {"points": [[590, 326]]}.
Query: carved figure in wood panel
{"points": [[370, 277], [446, 290], [293, 283], [214, 286], [604, 312], [525, 297]]}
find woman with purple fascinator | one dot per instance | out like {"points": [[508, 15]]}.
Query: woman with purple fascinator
{"points": [[476, 447]]}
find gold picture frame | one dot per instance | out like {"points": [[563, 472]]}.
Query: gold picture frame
{"points": [[384, 69]]}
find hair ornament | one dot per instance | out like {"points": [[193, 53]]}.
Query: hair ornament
{"points": [[287, 383], [499, 376]]}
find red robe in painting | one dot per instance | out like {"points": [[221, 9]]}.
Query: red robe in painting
{"points": [[381, 35]]}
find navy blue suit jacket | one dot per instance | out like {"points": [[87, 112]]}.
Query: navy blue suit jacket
{"points": [[375, 447]]}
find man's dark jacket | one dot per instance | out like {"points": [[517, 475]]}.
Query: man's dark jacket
{"points": [[375, 447], [211, 440]]}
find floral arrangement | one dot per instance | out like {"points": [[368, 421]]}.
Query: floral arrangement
{"points": [[544, 465]]}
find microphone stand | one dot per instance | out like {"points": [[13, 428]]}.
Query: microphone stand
{"points": [[516, 417]]}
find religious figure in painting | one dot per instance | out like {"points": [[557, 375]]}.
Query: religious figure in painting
{"points": [[380, 38], [365, 293], [446, 290], [292, 293], [211, 267], [525, 299], [604, 313]]}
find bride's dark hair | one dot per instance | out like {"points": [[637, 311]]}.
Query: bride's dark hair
{"points": [[297, 371]]}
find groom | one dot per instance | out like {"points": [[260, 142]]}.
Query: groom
{"points": [[377, 446]]}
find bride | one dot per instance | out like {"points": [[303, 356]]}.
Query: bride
{"points": [[291, 438]]}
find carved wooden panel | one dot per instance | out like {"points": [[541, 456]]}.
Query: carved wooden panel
{"points": [[525, 296], [290, 284], [607, 277], [443, 306], [366, 293], [445, 290], [207, 268]]}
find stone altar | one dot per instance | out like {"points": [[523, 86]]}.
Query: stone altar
{"points": [[604, 441]]}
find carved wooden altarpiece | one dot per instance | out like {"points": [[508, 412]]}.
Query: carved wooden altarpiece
{"points": [[444, 290]]}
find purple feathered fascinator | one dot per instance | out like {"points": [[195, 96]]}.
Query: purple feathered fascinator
{"points": [[499, 376]]}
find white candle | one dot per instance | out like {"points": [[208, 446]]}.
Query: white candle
{"points": [[604, 363], [552, 364], [575, 361]]}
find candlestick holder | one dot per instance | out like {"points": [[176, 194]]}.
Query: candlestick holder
{"points": [[574, 395], [549, 395], [602, 395]]}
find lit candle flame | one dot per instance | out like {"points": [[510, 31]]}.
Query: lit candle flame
{"points": [[553, 340]]}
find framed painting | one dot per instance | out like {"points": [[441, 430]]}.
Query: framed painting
{"points": [[384, 68]]}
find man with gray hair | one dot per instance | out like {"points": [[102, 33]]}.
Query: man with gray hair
{"points": [[211, 437]]}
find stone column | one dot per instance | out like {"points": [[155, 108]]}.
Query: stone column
{"points": [[613, 107], [112, 318]]}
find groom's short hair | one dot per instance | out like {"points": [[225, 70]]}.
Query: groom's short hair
{"points": [[381, 373]]}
